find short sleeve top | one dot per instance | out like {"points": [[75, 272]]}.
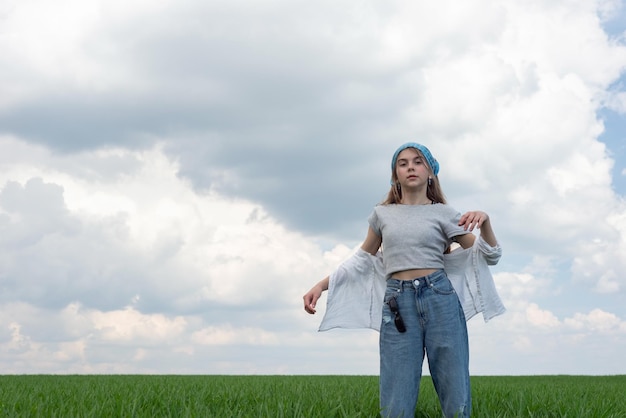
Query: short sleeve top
{"points": [[415, 236]]}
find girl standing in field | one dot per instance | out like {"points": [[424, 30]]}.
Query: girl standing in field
{"points": [[421, 313]]}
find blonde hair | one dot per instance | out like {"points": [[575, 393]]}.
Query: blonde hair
{"points": [[433, 190]]}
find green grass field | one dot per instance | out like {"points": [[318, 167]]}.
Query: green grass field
{"points": [[295, 396]]}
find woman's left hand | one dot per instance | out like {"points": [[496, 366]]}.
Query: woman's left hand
{"points": [[473, 219]]}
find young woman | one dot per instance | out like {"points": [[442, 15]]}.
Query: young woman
{"points": [[421, 311]]}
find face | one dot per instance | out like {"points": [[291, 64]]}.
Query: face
{"points": [[411, 169]]}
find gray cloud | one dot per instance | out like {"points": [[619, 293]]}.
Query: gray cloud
{"points": [[272, 95]]}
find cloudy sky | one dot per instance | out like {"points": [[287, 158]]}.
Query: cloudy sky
{"points": [[175, 175]]}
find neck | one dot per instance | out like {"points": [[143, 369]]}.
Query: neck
{"points": [[415, 199]]}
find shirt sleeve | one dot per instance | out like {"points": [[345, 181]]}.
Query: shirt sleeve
{"points": [[374, 222], [450, 223]]}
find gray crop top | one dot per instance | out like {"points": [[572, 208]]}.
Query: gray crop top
{"points": [[415, 236]]}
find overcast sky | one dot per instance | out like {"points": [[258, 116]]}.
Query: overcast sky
{"points": [[175, 175]]}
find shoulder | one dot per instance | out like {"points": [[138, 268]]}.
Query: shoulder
{"points": [[444, 207], [446, 210], [377, 212], [385, 213], [384, 208]]}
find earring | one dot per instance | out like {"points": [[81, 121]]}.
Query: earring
{"points": [[398, 186], [430, 181]]}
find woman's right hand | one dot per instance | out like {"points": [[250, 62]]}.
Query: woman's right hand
{"points": [[311, 298]]}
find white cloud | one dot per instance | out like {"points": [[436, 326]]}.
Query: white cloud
{"points": [[195, 248], [518, 285], [227, 335], [130, 325], [154, 244], [602, 260], [198, 163], [541, 318], [597, 321], [18, 341]]}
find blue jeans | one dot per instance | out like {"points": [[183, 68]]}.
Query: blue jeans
{"points": [[435, 326]]}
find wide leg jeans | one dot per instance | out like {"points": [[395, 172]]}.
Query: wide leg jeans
{"points": [[435, 327]]}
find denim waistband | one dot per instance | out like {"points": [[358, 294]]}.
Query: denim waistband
{"points": [[416, 283]]}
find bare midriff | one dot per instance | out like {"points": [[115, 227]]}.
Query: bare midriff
{"points": [[412, 274]]}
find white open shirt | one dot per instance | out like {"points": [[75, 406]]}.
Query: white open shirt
{"points": [[357, 288]]}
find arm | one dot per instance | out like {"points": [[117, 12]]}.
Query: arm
{"points": [[476, 219], [371, 245]]}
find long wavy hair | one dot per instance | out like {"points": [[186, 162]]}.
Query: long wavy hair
{"points": [[433, 191]]}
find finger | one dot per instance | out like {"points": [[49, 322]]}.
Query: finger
{"points": [[463, 218], [311, 302], [307, 301]]}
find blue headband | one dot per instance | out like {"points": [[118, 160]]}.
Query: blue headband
{"points": [[434, 165]]}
